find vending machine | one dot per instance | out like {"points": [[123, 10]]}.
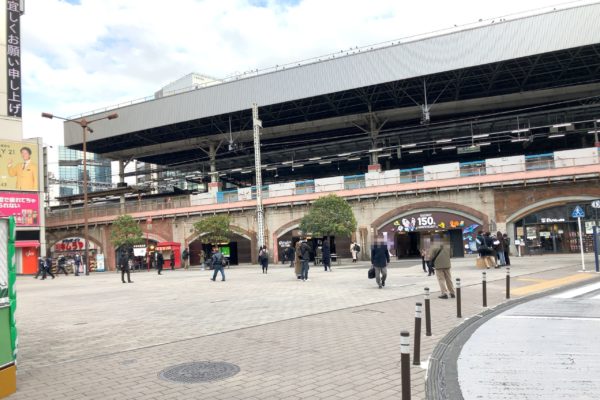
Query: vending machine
{"points": [[8, 305]]}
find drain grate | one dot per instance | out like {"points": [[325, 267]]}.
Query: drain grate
{"points": [[197, 372]]}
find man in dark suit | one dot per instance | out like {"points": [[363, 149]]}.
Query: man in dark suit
{"points": [[124, 266], [380, 258]]}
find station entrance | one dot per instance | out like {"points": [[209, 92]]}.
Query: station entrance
{"points": [[407, 235]]}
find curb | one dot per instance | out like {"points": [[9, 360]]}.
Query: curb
{"points": [[442, 377]]}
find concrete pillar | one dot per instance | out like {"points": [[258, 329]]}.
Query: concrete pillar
{"points": [[214, 186], [122, 183]]}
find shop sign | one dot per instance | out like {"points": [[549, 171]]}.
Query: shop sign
{"points": [[285, 243], [72, 244], [23, 206], [139, 251], [433, 221], [100, 263], [551, 220]]}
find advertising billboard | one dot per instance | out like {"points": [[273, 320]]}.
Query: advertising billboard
{"points": [[24, 207], [19, 165]]}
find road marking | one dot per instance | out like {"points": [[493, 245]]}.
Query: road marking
{"points": [[553, 283], [549, 318], [569, 294]]}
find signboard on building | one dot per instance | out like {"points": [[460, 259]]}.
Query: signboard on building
{"points": [[13, 58], [73, 244], [25, 207], [19, 165], [432, 221]]}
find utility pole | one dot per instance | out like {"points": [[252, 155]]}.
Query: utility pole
{"points": [[257, 123]]}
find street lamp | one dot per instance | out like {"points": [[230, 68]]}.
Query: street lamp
{"points": [[84, 123]]}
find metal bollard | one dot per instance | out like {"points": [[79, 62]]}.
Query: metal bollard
{"points": [[458, 299], [417, 350], [508, 282], [427, 314], [484, 285], [405, 364]]}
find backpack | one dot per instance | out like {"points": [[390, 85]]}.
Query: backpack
{"points": [[356, 248]]}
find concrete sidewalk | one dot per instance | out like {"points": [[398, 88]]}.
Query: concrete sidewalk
{"points": [[334, 337]]}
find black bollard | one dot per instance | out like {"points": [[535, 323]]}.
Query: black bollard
{"points": [[458, 299], [405, 364], [508, 282], [484, 285], [427, 314], [417, 350]]}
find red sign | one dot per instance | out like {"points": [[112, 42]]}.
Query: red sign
{"points": [[71, 244], [25, 207]]}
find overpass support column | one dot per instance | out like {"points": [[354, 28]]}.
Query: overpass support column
{"points": [[122, 183], [374, 128], [214, 186]]}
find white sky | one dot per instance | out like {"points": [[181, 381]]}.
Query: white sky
{"points": [[81, 55]]}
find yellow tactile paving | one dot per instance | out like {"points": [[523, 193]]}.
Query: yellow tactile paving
{"points": [[551, 284]]}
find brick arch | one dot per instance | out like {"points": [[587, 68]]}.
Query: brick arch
{"points": [[251, 236], [55, 238], [547, 203], [430, 205], [286, 228]]}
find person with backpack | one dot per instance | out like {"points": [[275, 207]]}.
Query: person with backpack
{"points": [[354, 249], [218, 263], [263, 259], [305, 257]]}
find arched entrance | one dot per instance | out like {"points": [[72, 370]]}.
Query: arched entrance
{"points": [[289, 234], [548, 226], [238, 250], [410, 229]]}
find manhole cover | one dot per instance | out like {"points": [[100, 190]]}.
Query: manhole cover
{"points": [[201, 371]]}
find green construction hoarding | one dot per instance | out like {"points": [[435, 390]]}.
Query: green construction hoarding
{"points": [[8, 295]]}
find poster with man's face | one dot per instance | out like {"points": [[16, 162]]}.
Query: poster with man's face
{"points": [[19, 165]]}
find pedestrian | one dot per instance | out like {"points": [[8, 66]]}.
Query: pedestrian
{"points": [[124, 266], [60, 265], [490, 258], [41, 267], [291, 252], [426, 255], [506, 240], [423, 254], [354, 249], [263, 259], [48, 268], [218, 263], [326, 254], [440, 257], [499, 247], [77, 261], [185, 255], [305, 256], [172, 260], [160, 261], [298, 260], [380, 258]]}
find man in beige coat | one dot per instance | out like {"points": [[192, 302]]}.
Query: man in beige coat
{"points": [[440, 258]]}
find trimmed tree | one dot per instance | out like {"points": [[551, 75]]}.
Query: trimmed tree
{"points": [[214, 229], [330, 215], [126, 232]]}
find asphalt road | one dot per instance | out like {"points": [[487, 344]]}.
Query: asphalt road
{"points": [[544, 349]]}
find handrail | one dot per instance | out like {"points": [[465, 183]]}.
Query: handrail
{"points": [[308, 187]]}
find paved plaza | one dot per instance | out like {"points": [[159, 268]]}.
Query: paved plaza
{"points": [[333, 337]]}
